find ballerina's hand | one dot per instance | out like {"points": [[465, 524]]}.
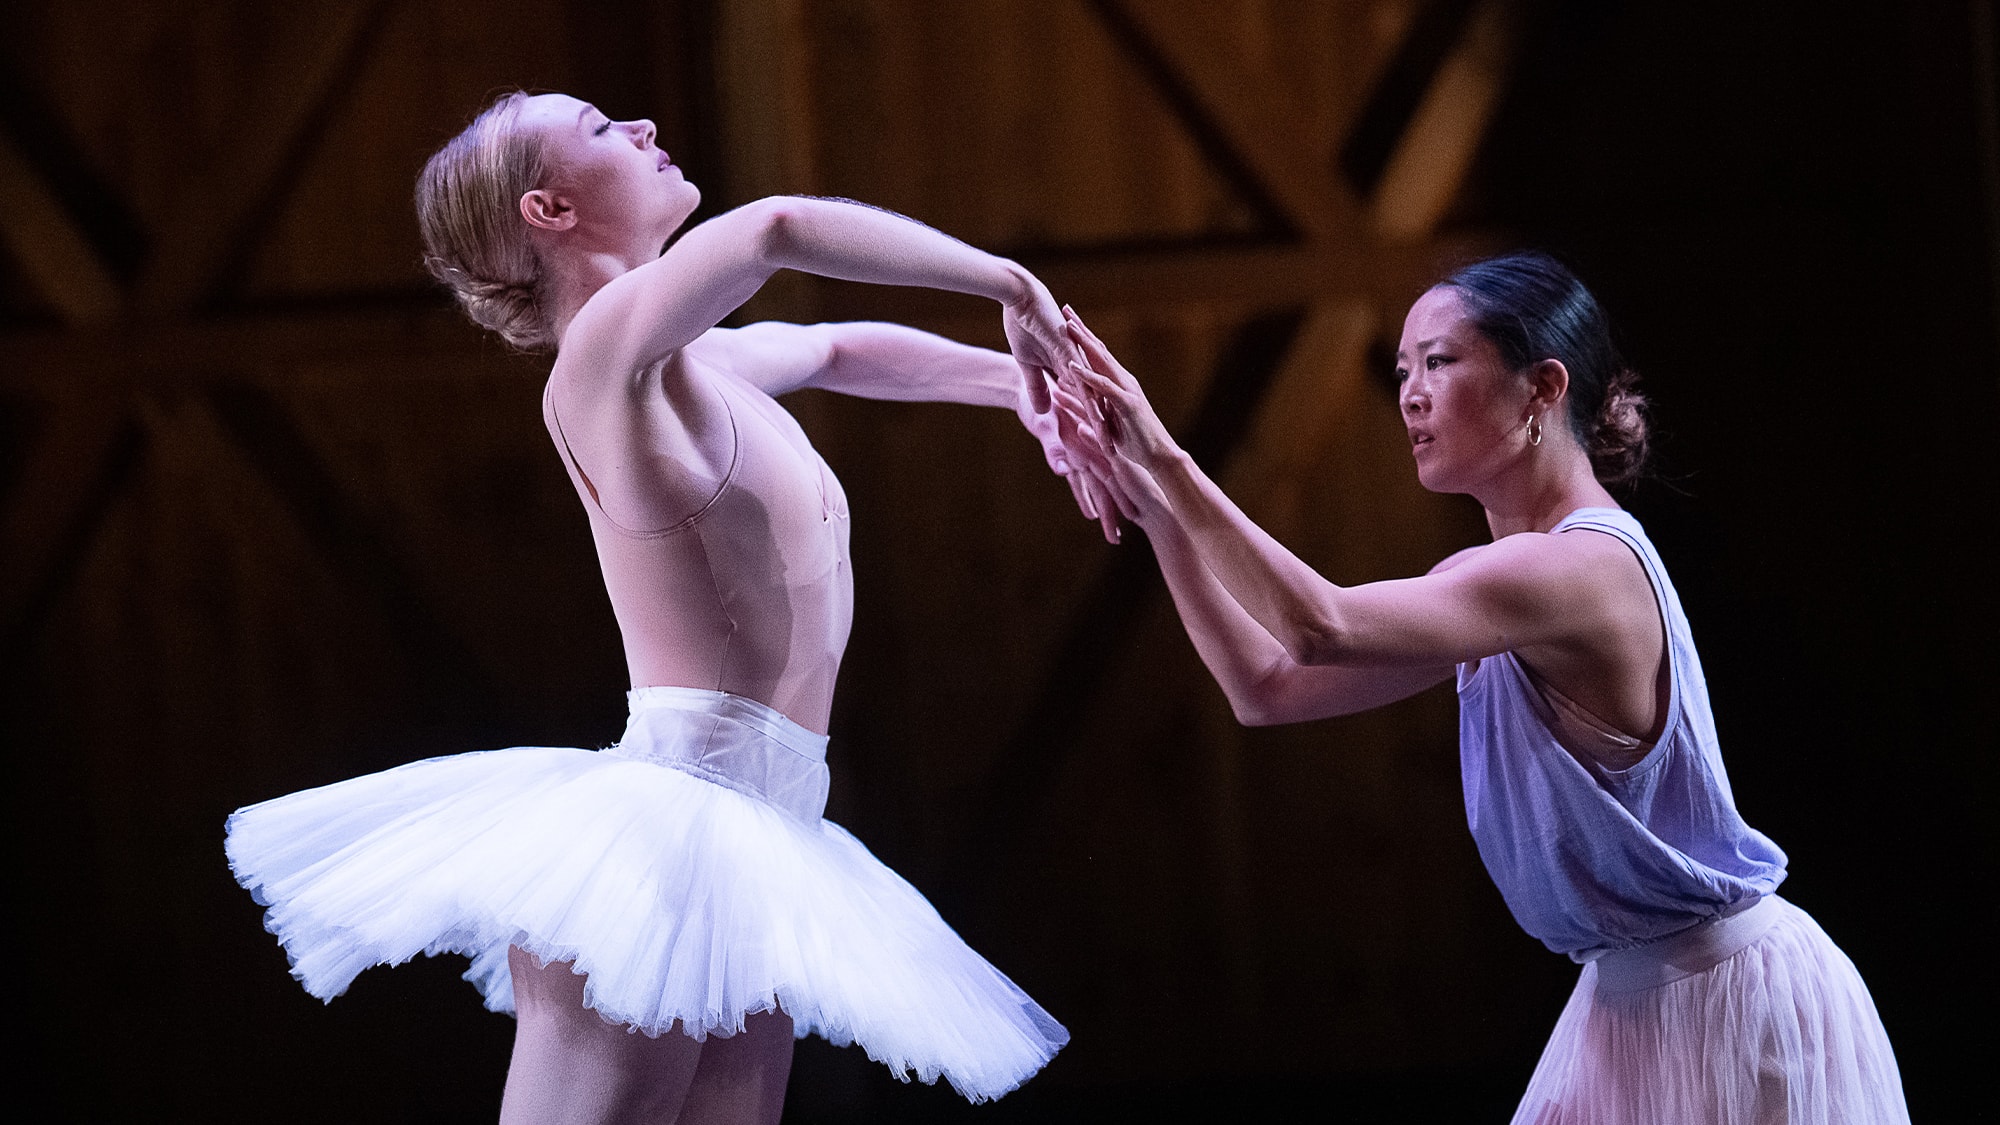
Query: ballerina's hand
{"points": [[1036, 336], [1093, 498]]}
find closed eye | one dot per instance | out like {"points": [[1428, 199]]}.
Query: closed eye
{"points": [[602, 129]]}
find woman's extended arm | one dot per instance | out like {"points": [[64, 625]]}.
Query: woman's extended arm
{"points": [[1265, 685], [643, 315], [1521, 591], [870, 359]]}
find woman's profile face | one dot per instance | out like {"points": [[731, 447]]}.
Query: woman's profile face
{"points": [[610, 172], [1466, 413]]}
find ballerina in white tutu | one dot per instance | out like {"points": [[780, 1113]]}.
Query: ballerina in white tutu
{"points": [[1593, 779], [664, 916]]}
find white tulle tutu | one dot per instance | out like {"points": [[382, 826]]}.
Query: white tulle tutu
{"points": [[1757, 1020], [686, 871]]}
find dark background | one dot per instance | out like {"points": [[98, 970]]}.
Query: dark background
{"points": [[299, 530]]}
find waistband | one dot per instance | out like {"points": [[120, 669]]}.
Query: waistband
{"points": [[735, 742], [1693, 950]]}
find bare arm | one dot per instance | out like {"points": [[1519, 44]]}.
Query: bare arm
{"points": [[1263, 682], [868, 359], [1521, 592], [889, 361], [642, 316]]}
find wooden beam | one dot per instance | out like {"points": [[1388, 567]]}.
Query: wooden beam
{"points": [[1118, 595], [1249, 110], [141, 353], [74, 471], [54, 254], [1319, 383], [1433, 156], [225, 206], [253, 422]]}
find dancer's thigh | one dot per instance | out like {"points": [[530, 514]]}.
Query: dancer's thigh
{"points": [[571, 1067], [741, 1079]]}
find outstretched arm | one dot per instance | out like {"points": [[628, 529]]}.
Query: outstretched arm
{"points": [[1525, 590], [1264, 683], [869, 359], [889, 361], [641, 316]]}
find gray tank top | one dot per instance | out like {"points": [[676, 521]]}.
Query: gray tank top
{"points": [[1592, 859]]}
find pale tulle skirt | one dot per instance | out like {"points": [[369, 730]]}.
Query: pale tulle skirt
{"points": [[1757, 1020], [686, 871]]}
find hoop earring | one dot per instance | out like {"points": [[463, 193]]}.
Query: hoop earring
{"points": [[1534, 430]]}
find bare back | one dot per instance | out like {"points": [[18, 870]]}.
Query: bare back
{"points": [[722, 535]]}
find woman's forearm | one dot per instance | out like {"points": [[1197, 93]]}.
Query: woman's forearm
{"points": [[889, 361], [1241, 655], [1263, 682], [855, 242], [859, 243], [1291, 601]]}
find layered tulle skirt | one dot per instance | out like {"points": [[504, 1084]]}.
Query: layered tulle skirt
{"points": [[1756, 1020], [686, 871]]}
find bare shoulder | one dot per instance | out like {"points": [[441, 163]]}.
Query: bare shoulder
{"points": [[1565, 553], [1457, 557], [1572, 582], [655, 309], [1614, 573], [656, 442], [1528, 556]]}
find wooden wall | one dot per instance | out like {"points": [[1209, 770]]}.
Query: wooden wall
{"points": [[273, 516]]}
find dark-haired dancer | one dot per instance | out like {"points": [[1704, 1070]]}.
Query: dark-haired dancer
{"points": [[664, 916], [1593, 781]]}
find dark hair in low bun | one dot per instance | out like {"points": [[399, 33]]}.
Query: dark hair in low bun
{"points": [[1533, 308]]}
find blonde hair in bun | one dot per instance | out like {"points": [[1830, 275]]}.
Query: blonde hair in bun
{"points": [[475, 241]]}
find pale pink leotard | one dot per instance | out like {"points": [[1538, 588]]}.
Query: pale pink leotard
{"points": [[750, 591]]}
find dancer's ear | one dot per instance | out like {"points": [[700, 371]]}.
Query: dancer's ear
{"points": [[1549, 381], [547, 210]]}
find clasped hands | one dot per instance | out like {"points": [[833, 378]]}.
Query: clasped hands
{"points": [[1097, 428]]}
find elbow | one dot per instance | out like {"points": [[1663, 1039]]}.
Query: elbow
{"points": [[1264, 701], [775, 230], [1316, 640], [1255, 713]]}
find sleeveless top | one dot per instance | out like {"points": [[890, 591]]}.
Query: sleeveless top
{"points": [[1589, 858], [752, 594]]}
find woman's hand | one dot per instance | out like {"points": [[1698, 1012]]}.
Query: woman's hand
{"points": [[1126, 490], [1130, 429], [1036, 336], [1117, 434], [1094, 498]]}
